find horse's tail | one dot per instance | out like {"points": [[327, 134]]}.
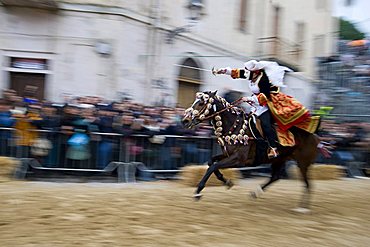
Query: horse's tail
{"points": [[325, 149]]}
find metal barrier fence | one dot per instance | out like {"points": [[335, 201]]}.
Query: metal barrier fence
{"points": [[339, 86], [53, 149]]}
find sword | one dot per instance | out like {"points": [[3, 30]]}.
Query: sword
{"points": [[190, 67]]}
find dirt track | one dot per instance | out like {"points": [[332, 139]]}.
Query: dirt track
{"points": [[163, 214]]}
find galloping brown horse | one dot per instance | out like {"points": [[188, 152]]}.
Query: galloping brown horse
{"points": [[244, 147]]}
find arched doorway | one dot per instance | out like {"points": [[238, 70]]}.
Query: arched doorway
{"points": [[189, 82]]}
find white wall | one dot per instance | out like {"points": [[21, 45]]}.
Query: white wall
{"points": [[139, 51], [300, 88], [72, 36]]}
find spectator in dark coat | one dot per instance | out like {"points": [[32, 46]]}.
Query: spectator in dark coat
{"points": [[104, 122], [50, 121], [6, 121]]}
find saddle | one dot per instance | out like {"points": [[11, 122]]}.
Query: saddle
{"points": [[285, 138]]}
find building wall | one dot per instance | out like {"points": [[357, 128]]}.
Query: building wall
{"points": [[317, 18], [69, 39], [140, 62]]}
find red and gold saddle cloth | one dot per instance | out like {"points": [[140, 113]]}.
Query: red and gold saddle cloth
{"points": [[288, 112]]}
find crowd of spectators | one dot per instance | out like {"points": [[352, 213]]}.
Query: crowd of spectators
{"points": [[94, 114], [80, 119], [350, 140]]}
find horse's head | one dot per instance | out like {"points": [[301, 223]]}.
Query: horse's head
{"points": [[200, 109]]}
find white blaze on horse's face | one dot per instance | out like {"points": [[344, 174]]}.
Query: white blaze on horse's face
{"points": [[188, 113], [192, 111], [198, 110], [197, 105]]}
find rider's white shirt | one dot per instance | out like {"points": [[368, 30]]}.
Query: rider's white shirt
{"points": [[253, 87], [257, 108]]}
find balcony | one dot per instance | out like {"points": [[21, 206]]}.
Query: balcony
{"points": [[274, 48], [41, 4]]}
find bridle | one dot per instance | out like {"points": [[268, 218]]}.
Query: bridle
{"points": [[209, 103], [229, 137]]}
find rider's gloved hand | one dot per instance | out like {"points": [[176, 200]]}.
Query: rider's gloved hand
{"points": [[246, 99], [249, 100], [221, 71]]}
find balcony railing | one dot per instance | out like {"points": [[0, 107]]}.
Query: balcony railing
{"points": [[42, 4], [275, 48]]}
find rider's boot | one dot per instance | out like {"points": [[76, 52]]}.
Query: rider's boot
{"points": [[272, 153]]}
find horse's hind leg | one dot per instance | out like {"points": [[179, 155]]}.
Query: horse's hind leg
{"points": [[305, 201], [276, 168], [306, 158], [217, 172]]}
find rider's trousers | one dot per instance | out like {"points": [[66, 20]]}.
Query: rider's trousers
{"points": [[266, 124]]}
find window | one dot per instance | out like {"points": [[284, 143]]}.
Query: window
{"points": [[243, 15], [348, 3], [299, 39], [196, 2], [300, 32], [29, 63], [276, 22], [319, 45], [321, 4], [196, 8]]}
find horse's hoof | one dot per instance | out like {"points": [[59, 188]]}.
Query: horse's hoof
{"points": [[257, 193], [229, 184], [302, 210], [197, 196], [253, 195]]}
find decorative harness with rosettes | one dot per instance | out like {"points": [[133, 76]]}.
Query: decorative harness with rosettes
{"points": [[230, 138]]}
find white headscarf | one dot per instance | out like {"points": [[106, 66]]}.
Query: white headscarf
{"points": [[273, 70]]}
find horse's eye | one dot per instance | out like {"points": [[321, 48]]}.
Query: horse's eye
{"points": [[199, 95]]}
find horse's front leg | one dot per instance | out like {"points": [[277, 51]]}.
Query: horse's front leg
{"points": [[224, 163], [218, 173]]}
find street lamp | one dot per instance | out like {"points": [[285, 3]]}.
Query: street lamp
{"points": [[195, 8]]}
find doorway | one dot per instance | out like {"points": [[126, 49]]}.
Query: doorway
{"points": [[25, 83], [189, 81]]}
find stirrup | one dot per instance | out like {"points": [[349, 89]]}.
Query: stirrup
{"points": [[273, 153]]}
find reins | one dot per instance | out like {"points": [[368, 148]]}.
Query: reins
{"points": [[233, 104]]}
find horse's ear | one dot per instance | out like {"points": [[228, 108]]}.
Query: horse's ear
{"points": [[213, 93]]}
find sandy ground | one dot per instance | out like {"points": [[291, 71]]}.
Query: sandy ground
{"points": [[163, 213]]}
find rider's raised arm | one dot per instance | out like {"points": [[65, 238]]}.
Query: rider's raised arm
{"points": [[234, 73], [240, 74]]}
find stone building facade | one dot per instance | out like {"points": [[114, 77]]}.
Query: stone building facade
{"points": [[147, 49]]}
